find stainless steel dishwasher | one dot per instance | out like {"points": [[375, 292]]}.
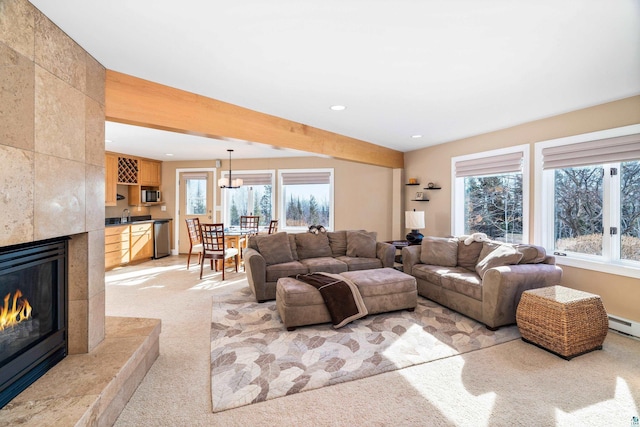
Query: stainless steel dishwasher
{"points": [[161, 238]]}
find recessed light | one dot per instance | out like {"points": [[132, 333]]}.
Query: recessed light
{"points": [[416, 136], [169, 154], [338, 107], [107, 141]]}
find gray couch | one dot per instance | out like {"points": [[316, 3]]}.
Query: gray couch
{"points": [[272, 256], [482, 280]]}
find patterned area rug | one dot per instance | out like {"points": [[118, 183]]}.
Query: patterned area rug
{"points": [[254, 358]]}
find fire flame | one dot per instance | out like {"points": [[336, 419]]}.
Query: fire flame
{"points": [[14, 313]]}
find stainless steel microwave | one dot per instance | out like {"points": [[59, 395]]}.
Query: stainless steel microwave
{"points": [[149, 196]]}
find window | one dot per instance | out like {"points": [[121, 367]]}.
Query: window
{"points": [[196, 193], [254, 197], [491, 194], [306, 198], [590, 198]]}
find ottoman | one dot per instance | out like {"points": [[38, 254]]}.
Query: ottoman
{"points": [[382, 290], [564, 321]]}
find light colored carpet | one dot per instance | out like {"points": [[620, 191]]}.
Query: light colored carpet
{"points": [[254, 358], [514, 384]]}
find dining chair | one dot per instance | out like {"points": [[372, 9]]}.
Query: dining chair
{"points": [[248, 223], [273, 226], [214, 248], [195, 242]]}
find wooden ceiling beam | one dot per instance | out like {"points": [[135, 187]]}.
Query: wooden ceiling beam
{"points": [[139, 102]]}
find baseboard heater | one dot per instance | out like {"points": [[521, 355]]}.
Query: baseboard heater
{"points": [[624, 325]]}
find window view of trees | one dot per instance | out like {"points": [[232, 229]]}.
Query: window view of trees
{"points": [[306, 205], [196, 196], [250, 200], [579, 209], [630, 210], [493, 205]]}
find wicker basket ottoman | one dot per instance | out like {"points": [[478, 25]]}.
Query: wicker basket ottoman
{"points": [[564, 321]]}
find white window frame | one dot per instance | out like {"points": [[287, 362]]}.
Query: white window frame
{"points": [[224, 197], [457, 189], [282, 225], [544, 215]]}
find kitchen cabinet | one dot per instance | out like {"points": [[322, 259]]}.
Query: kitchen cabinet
{"points": [[111, 180], [127, 170], [150, 173], [141, 241], [117, 246], [135, 172], [127, 243]]}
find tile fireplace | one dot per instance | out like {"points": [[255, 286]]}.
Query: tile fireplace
{"points": [[33, 312]]}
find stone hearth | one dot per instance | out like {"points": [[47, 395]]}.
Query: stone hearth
{"points": [[90, 389]]}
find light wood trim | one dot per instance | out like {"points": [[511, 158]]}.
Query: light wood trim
{"points": [[135, 101]]}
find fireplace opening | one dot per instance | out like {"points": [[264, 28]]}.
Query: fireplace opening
{"points": [[33, 312]]}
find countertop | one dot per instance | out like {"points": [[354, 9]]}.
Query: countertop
{"points": [[112, 222]]}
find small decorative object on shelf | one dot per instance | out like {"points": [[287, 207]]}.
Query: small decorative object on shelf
{"points": [[431, 186], [413, 181]]}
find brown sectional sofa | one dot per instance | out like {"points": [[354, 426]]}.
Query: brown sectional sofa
{"points": [[272, 256], [482, 280]]}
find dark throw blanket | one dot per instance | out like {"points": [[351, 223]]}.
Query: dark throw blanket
{"points": [[341, 296]]}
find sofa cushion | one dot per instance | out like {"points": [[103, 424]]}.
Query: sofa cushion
{"points": [[325, 265], [463, 282], [361, 244], [309, 245], [338, 242], [468, 255], [360, 263], [439, 251], [502, 255], [431, 273], [531, 254], [274, 248], [276, 271]]}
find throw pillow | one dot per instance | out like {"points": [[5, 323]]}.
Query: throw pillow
{"points": [[502, 255], [309, 245], [531, 254], [361, 244], [275, 248], [441, 251], [338, 242], [468, 255]]}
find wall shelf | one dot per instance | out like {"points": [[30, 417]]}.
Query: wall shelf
{"points": [[432, 188], [419, 200], [417, 183]]}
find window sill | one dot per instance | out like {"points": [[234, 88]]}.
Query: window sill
{"points": [[601, 266]]}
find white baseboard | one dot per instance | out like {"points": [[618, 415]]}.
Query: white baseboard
{"points": [[623, 325]]}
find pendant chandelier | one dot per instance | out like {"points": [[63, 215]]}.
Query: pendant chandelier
{"points": [[229, 182]]}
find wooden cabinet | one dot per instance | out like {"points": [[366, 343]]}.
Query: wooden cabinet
{"points": [[135, 172], [127, 243], [141, 241], [150, 173], [111, 180], [117, 247], [127, 170]]}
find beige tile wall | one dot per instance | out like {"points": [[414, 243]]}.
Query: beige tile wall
{"points": [[52, 155]]}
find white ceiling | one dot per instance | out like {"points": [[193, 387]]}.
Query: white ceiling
{"points": [[444, 69]]}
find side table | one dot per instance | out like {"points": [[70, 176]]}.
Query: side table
{"points": [[399, 244], [564, 321]]}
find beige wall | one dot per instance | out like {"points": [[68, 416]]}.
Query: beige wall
{"points": [[363, 193], [52, 155], [621, 295]]}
